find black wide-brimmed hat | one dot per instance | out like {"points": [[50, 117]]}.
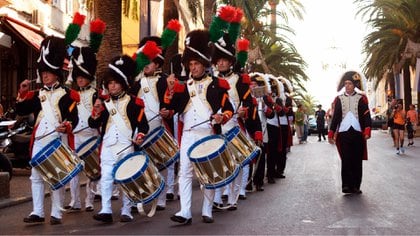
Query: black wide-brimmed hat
{"points": [[197, 47], [51, 56], [122, 70]]}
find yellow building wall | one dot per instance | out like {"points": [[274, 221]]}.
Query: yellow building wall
{"points": [[130, 31]]}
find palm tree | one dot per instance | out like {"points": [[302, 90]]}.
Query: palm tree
{"points": [[394, 24]]}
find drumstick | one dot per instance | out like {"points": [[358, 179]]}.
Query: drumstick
{"points": [[154, 117], [49, 133], [80, 130], [122, 150], [192, 127]]}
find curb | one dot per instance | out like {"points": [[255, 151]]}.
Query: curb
{"points": [[8, 202]]}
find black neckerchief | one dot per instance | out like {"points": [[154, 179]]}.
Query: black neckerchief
{"points": [[225, 73], [84, 88], [52, 87], [116, 97], [201, 77]]}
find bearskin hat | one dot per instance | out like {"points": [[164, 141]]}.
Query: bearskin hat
{"points": [[223, 48], [197, 47], [51, 56], [122, 70], [83, 63], [160, 58], [352, 76]]}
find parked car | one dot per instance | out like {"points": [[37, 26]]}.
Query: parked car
{"points": [[312, 126], [379, 121]]}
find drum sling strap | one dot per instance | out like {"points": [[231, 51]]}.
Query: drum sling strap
{"points": [[117, 118], [196, 101], [150, 97]]}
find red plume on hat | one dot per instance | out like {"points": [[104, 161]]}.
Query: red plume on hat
{"points": [[242, 55], [221, 21], [145, 54], [169, 34], [97, 29], [73, 29]]}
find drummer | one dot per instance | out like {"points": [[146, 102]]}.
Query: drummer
{"points": [[202, 98], [55, 109], [82, 69], [123, 124], [151, 86], [224, 59]]}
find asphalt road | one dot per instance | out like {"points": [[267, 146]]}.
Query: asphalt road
{"points": [[308, 201]]}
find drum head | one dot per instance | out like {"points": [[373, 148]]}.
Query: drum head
{"points": [[88, 147], [152, 137], [45, 152], [130, 167], [206, 148]]}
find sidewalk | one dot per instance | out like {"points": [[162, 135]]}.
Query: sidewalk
{"points": [[20, 188]]}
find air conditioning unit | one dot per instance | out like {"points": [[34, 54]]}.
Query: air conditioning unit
{"points": [[34, 19]]}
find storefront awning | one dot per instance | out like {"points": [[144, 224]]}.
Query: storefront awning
{"points": [[28, 34]]}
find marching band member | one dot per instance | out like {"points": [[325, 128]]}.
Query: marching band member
{"points": [[241, 99], [152, 87], [278, 131], [200, 98], [122, 122], [55, 108], [350, 128], [82, 69], [258, 82]]}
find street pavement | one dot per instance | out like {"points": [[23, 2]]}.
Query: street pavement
{"points": [[307, 201]]}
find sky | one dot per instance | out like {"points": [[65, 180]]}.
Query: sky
{"points": [[329, 36]]}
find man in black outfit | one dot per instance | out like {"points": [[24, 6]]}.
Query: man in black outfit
{"points": [[320, 122]]}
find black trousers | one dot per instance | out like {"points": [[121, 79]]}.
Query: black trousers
{"points": [[260, 168], [321, 131], [276, 160], [351, 153]]}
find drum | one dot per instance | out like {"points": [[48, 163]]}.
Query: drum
{"points": [[212, 162], [242, 148], [57, 164], [161, 147], [138, 177], [89, 153]]}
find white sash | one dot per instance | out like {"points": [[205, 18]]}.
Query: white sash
{"points": [[152, 101], [196, 101], [117, 119], [47, 110]]}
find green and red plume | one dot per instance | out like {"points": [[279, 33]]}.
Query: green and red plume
{"points": [[97, 29], [242, 54], [146, 54], [220, 22], [169, 34], [73, 29], [235, 25]]}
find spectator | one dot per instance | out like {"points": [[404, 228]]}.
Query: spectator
{"points": [[299, 122], [398, 114], [320, 122], [413, 116]]}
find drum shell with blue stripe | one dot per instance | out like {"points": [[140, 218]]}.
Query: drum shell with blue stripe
{"points": [[138, 177], [243, 149], [161, 147], [89, 153], [212, 162], [57, 164]]}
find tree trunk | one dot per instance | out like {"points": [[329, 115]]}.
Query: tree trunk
{"points": [[110, 12], [209, 10], [407, 85]]}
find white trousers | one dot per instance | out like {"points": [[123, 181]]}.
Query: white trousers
{"points": [[108, 160], [186, 176], [38, 191], [168, 175]]}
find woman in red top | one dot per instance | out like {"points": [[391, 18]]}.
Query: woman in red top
{"points": [[399, 127]]}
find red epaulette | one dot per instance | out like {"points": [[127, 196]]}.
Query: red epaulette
{"points": [[224, 84], [254, 101], [245, 78], [30, 95], [178, 87], [139, 101], [365, 99], [74, 95]]}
